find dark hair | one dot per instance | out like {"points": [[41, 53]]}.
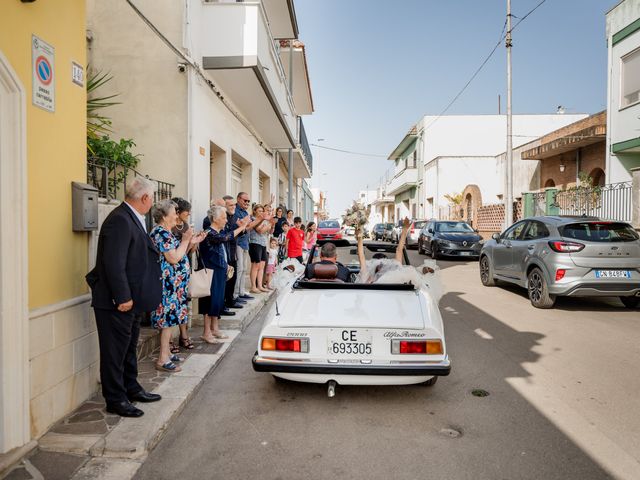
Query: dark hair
{"points": [[328, 250], [240, 194], [227, 197], [297, 220], [290, 211], [379, 256], [181, 205], [310, 224], [285, 224]]}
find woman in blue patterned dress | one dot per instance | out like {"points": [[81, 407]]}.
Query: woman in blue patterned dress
{"points": [[174, 263]]}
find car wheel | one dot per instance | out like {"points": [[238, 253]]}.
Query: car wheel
{"points": [[630, 302], [486, 272], [539, 290], [420, 252], [430, 383], [434, 251]]}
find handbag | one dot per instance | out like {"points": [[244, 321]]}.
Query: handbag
{"points": [[200, 282]]}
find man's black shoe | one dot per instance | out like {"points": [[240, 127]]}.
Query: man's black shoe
{"points": [[246, 297], [144, 397], [124, 409], [227, 313], [236, 305]]}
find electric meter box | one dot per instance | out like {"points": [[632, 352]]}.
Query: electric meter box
{"points": [[84, 209]]}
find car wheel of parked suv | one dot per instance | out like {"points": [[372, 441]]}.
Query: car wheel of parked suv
{"points": [[420, 249], [486, 272], [434, 251], [539, 291], [630, 302]]}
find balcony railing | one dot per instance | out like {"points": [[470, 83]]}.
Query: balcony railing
{"points": [[304, 145], [403, 180], [110, 176]]}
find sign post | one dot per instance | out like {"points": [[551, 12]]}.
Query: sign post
{"points": [[43, 84]]}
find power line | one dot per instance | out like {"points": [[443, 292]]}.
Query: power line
{"points": [[482, 65], [349, 151]]}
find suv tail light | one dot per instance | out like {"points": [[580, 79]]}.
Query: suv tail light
{"points": [[285, 344], [566, 247], [419, 347], [413, 228]]}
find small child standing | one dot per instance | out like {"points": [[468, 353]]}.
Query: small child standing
{"points": [[272, 261], [282, 240]]}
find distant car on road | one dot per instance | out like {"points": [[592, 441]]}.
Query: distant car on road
{"points": [[329, 230], [554, 256], [412, 236], [387, 232], [377, 231], [449, 238]]}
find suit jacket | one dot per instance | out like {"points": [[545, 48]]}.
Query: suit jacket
{"points": [[127, 265]]}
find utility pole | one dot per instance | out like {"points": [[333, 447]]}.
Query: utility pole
{"points": [[508, 199], [290, 167]]}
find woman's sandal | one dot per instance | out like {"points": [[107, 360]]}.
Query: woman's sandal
{"points": [[176, 358], [169, 367], [211, 340], [173, 348], [186, 343], [220, 335]]}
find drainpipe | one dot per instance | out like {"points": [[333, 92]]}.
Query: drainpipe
{"points": [[290, 196]]}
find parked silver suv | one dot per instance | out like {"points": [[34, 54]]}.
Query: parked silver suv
{"points": [[568, 256]]}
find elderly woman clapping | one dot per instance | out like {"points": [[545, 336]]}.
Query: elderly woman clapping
{"points": [[175, 277], [214, 254]]}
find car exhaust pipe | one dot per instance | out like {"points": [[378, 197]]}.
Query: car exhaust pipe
{"points": [[331, 388]]}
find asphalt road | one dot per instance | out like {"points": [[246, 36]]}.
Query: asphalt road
{"points": [[562, 404]]}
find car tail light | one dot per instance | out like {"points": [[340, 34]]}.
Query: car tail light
{"points": [[566, 247], [285, 344], [560, 274], [413, 347], [413, 228]]}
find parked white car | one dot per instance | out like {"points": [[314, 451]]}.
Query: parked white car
{"points": [[328, 331]]}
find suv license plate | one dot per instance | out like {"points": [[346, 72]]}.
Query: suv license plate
{"points": [[613, 274], [347, 341]]}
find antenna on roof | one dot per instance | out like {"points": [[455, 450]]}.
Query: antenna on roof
{"points": [[560, 110]]}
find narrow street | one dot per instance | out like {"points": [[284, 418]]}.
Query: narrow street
{"points": [[555, 409]]}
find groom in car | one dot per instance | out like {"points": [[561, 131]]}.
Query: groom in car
{"points": [[328, 256]]}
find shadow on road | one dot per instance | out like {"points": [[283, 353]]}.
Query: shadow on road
{"points": [[243, 424]]}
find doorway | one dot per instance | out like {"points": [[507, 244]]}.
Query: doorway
{"points": [[218, 170], [14, 318]]}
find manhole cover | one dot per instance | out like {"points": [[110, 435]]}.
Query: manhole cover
{"points": [[478, 392]]}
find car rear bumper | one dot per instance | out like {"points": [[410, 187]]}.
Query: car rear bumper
{"points": [[597, 289], [272, 365]]}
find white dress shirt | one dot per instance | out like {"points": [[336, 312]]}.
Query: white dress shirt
{"points": [[139, 216]]}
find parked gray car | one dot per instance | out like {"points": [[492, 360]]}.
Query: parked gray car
{"points": [[566, 256]]}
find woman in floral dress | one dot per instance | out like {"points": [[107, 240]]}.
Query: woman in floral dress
{"points": [[174, 263]]}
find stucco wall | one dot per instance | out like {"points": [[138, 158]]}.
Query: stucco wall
{"points": [[153, 93], [55, 145], [623, 124]]}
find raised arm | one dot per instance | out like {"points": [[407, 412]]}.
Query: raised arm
{"points": [[406, 223], [361, 257]]}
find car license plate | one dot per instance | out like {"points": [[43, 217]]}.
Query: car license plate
{"points": [[349, 341], [465, 254], [613, 274]]}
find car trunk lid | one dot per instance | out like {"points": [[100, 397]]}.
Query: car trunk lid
{"points": [[352, 308], [612, 245]]}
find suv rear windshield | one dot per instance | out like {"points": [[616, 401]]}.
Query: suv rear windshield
{"points": [[600, 232]]}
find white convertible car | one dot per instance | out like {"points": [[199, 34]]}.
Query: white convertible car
{"points": [[323, 330]]}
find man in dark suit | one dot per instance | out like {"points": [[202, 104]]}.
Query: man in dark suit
{"points": [[125, 283]]}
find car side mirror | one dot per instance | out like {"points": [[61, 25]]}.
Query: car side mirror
{"points": [[496, 237], [430, 230]]}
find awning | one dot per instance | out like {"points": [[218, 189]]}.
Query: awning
{"points": [[569, 142]]}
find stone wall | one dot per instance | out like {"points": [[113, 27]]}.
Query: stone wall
{"points": [[591, 158], [491, 218]]}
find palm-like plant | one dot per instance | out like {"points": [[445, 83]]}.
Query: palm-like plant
{"points": [[97, 124], [454, 199]]}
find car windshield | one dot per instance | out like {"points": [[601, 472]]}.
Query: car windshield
{"points": [[599, 232], [329, 224], [453, 227]]}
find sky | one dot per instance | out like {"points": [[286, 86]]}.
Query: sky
{"points": [[377, 66]]}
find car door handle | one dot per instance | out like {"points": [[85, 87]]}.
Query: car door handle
{"points": [[531, 247]]}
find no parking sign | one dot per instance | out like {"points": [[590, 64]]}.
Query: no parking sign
{"points": [[44, 93]]}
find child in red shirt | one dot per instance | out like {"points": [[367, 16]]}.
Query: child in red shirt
{"points": [[295, 240]]}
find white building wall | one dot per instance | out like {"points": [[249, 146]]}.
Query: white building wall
{"points": [[622, 124]]}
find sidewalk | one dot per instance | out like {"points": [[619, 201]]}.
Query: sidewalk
{"points": [[90, 443]]}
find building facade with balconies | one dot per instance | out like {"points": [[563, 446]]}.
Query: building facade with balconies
{"points": [[212, 93]]}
